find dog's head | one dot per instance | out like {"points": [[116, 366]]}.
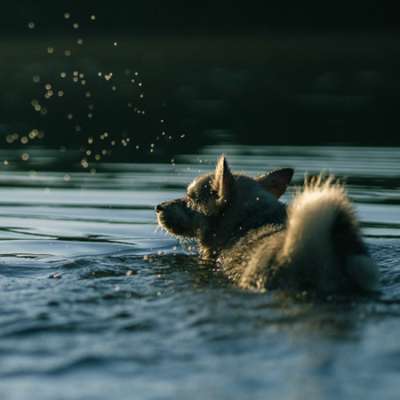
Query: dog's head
{"points": [[223, 199]]}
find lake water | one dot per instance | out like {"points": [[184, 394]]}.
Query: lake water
{"points": [[95, 303]]}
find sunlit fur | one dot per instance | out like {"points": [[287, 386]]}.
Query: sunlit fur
{"points": [[259, 244], [320, 247]]}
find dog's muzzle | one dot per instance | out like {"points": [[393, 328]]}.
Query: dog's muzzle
{"points": [[160, 207], [170, 205]]}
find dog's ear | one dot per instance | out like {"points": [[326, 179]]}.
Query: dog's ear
{"points": [[223, 180], [276, 182]]}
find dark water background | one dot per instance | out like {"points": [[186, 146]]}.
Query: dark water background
{"points": [[169, 94], [95, 303]]}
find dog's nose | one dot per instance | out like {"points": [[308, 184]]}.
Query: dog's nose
{"points": [[159, 208]]}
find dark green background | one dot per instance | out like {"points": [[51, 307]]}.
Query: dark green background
{"points": [[248, 72]]}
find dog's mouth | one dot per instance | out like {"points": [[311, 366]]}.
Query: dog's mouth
{"points": [[163, 221], [174, 228]]}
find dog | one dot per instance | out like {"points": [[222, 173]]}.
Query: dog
{"points": [[259, 243]]}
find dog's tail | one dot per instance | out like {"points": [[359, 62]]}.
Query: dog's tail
{"points": [[323, 242]]}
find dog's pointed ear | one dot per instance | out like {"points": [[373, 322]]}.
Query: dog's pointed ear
{"points": [[276, 182], [223, 180]]}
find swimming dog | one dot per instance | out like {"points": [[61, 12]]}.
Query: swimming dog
{"points": [[260, 243]]}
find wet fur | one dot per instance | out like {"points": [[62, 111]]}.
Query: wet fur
{"points": [[259, 243]]}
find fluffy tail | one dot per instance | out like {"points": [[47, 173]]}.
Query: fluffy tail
{"points": [[323, 242]]}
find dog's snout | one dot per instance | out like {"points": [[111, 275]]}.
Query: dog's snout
{"points": [[159, 208]]}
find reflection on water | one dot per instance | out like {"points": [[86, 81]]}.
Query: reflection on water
{"points": [[93, 297]]}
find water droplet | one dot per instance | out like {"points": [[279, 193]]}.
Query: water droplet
{"points": [[115, 44], [75, 25], [79, 41], [93, 17], [34, 133], [31, 25], [36, 78], [25, 156], [67, 53], [67, 15], [84, 163], [63, 75], [50, 50], [70, 116], [12, 138]]}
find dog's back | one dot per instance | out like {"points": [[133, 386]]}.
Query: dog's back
{"points": [[319, 247]]}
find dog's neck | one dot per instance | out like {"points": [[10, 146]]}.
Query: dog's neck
{"points": [[234, 223]]}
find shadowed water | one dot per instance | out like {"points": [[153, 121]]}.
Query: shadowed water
{"points": [[95, 303]]}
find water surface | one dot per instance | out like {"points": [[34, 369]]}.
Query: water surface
{"points": [[96, 303]]}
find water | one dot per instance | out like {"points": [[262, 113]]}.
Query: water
{"points": [[95, 303]]}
